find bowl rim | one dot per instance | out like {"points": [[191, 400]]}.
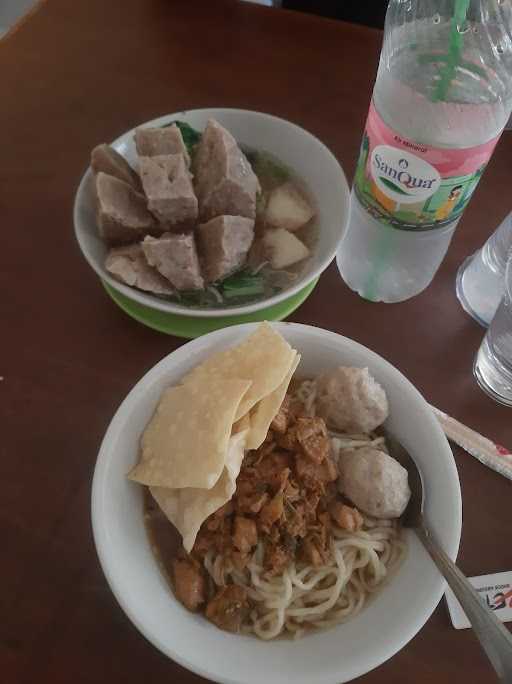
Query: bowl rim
{"points": [[151, 301], [103, 542]]}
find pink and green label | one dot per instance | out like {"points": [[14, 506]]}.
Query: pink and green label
{"points": [[413, 186]]}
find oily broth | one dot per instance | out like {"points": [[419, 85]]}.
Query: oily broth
{"points": [[164, 539]]}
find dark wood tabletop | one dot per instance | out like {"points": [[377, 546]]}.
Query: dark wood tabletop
{"points": [[74, 74]]}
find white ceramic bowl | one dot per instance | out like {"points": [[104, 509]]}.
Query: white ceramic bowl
{"points": [[297, 148], [333, 656]]}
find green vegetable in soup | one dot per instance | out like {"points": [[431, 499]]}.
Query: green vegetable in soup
{"points": [[243, 284], [270, 172], [190, 136], [195, 298], [238, 288]]}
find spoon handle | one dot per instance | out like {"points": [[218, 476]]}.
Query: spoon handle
{"points": [[494, 637]]}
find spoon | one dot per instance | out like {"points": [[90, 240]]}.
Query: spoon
{"points": [[494, 637]]}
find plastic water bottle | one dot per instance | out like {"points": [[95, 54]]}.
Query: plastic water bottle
{"points": [[441, 99]]}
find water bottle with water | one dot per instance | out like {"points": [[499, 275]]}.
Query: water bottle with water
{"points": [[441, 99]]}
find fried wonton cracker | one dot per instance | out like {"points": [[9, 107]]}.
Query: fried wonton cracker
{"points": [[186, 441], [264, 358], [188, 508]]}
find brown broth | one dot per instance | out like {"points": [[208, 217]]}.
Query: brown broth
{"points": [[164, 538]]}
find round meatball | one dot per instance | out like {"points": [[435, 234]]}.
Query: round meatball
{"points": [[350, 400], [374, 481]]}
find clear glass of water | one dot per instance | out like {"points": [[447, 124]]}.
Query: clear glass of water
{"points": [[480, 277], [493, 363]]}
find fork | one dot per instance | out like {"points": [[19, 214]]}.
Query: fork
{"points": [[493, 636]]}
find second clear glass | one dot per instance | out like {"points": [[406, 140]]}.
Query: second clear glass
{"points": [[480, 278], [493, 363]]}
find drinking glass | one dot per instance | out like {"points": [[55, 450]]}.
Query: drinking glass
{"points": [[493, 362], [480, 277]]}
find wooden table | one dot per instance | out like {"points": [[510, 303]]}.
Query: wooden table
{"points": [[78, 73]]}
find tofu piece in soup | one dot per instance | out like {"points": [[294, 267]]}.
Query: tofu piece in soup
{"points": [[283, 248], [122, 213], [152, 142], [224, 180], [288, 208], [223, 243], [129, 266], [104, 158], [175, 257], [168, 187]]}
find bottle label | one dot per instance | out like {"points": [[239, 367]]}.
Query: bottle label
{"points": [[412, 186]]}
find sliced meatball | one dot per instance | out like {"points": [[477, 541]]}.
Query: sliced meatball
{"points": [[168, 187], [175, 257], [223, 243], [351, 400], [128, 265], [151, 142], [228, 608], [122, 212], [374, 481], [225, 181], [189, 583], [104, 158]]}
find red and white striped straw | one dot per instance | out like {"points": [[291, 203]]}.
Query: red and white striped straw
{"points": [[494, 456]]}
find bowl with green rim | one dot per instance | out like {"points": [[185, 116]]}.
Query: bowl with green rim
{"points": [[311, 161]]}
